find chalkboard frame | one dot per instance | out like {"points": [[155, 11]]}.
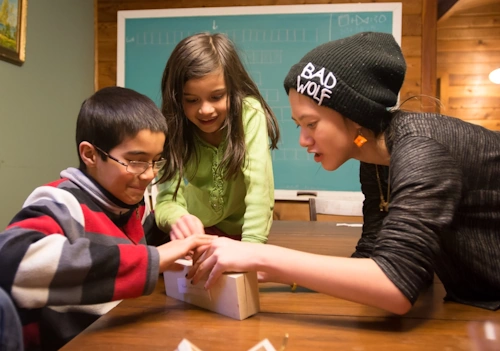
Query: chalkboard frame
{"points": [[395, 8]]}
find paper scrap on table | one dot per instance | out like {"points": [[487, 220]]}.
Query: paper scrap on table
{"points": [[349, 224], [186, 345]]}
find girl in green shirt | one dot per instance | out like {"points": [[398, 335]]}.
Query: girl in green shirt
{"points": [[218, 178]]}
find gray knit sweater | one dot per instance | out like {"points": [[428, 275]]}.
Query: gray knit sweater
{"points": [[444, 212]]}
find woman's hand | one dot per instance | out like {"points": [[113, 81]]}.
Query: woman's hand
{"points": [[264, 277], [186, 226], [176, 249], [223, 255]]}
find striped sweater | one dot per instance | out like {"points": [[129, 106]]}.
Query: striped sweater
{"points": [[444, 211], [70, 255]]}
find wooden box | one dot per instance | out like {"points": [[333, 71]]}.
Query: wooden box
{"points": [[235, 295]]}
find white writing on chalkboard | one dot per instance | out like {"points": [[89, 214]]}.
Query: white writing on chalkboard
{"points": [[353, 23], [275, 35], [357, 20]]}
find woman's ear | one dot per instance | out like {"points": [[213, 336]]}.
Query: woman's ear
{"points": [[88, 153]]}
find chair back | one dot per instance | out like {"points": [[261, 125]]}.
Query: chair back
{"points": [[150, 196], [349, 209]]}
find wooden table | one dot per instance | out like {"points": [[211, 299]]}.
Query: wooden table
{"points": [[313, 321]]}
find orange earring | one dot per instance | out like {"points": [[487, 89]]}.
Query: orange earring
{"points": [[360, 139]]}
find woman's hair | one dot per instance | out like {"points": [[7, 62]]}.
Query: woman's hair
{"points": [[425, 102], [193, 58]]}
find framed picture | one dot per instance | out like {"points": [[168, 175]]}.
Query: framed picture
{"points": [[13, 30]]}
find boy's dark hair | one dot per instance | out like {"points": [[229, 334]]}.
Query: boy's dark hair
{"points": [[194, 57], [112, 114]]}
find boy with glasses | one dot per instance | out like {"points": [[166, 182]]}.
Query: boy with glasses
{"points": [[78, 245]]}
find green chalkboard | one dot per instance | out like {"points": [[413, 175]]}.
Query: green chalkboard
{"points": [[270, 40]]}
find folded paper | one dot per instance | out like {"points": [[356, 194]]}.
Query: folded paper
{"points": [[186, 345]]}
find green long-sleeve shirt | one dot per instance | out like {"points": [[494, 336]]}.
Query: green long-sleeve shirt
{"points": [[242, 205]]}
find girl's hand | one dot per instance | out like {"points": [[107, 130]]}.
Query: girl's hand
{"points": [[186, 226], [223, 255], [176, 249]]}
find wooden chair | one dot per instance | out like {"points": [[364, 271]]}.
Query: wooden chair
{"points": [[150, 197], [336, 210]]}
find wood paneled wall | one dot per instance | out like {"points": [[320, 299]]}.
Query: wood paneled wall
{"points": [[468, 50], [420, 78]]}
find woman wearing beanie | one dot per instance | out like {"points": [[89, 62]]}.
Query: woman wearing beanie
{"points": [[431, 186]]}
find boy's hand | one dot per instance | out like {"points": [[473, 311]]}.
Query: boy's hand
{"points": [[186, 226], [176, 249]]}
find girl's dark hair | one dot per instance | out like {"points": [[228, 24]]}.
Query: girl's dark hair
{"points": [[113, 114], [195, 57]]}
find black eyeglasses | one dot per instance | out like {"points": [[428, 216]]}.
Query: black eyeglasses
{"points": [[137, 167]]}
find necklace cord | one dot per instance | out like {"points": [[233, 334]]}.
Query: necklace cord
{"points": [[384, 205]]}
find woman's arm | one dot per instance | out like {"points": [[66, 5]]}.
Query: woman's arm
{"points": [[427, 186], [354, 279]]}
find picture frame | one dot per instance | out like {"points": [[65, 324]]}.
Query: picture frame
{"points": [[13, 14]]}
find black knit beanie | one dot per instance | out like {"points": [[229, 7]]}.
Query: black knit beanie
{"points": [[358, 76]]}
